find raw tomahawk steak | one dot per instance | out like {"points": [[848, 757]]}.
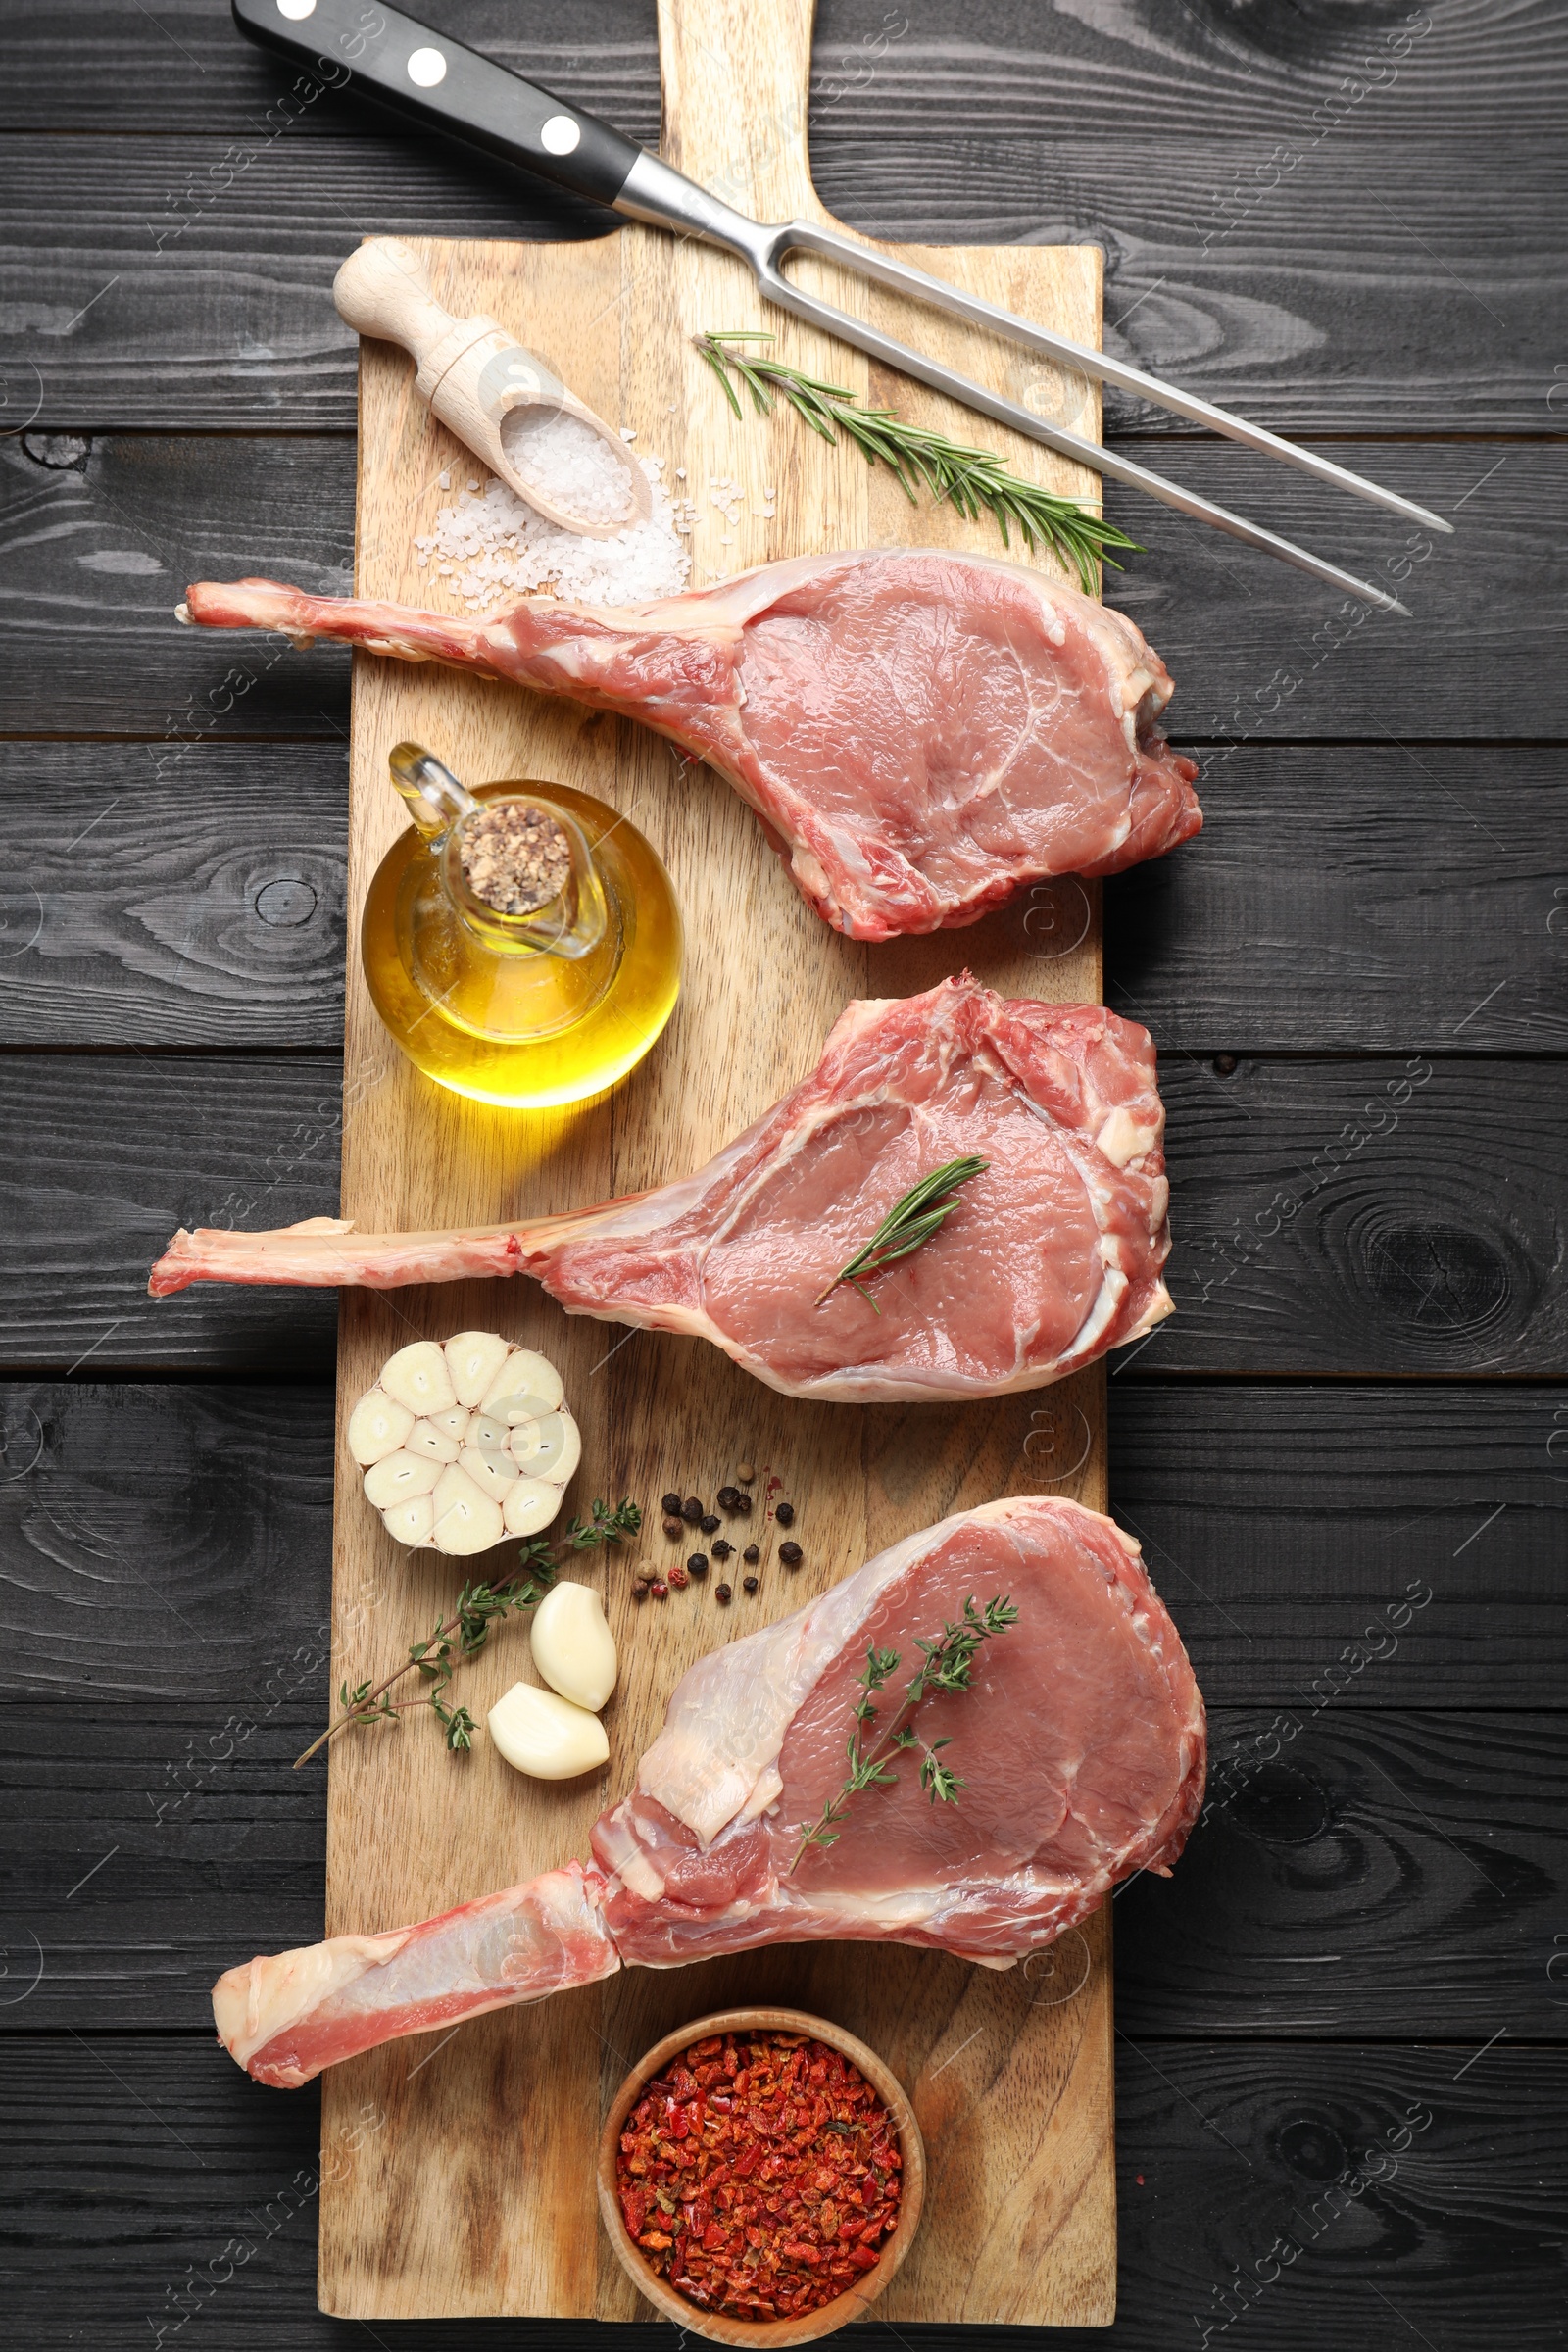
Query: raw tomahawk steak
{"points": [[1051, 1257], [1080, 1745], [920, 732]]}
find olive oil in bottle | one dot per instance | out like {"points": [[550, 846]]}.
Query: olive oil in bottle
{"points": [[522, 942]]}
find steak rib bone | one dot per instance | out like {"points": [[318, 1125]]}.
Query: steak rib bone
{"points": [[1052, 1256], [921, 732], [1080, 1745]]}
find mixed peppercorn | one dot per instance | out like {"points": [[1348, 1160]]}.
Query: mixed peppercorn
{"points": [[761, 2175], [684, 1515]]}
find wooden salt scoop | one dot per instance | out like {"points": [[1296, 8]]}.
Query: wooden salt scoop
{"points": [[473, 374]]}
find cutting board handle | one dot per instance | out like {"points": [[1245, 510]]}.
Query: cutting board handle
{"points": [[734, 76]]}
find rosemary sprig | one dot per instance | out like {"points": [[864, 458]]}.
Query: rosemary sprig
{"points": [[459, 1637], [974, 481], [947, 1662], [913, 1220]]}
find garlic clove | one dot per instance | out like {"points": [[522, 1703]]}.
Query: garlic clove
{"points": [[431, 1440], [465, 1519], [525, 1386], [377, 1426], [417, 1377], [545, 1735], [411, 1522], [494, 1474], [473, 1358], [399, 1478], [572, 1646], [483, 1429], [549, 1448], [454, 1422], [530, 1506]]}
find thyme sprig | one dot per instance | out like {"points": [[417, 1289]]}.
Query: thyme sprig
{"points": [[910, 1222], [453, 1640], [974, 481], [946, 1665]]}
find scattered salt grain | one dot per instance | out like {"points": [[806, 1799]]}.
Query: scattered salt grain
{"points": [[568, 461], [496, 546], [446, 481], [628, 433], [473, 485]]}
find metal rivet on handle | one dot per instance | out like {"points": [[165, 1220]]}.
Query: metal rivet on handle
{"points": [[427, 67], [296, 10], [560, 135]]}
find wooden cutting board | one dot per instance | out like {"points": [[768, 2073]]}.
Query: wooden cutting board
{"points": [[458, 2173]]}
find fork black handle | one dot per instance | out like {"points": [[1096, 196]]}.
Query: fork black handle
{"points": [[424, 74]]}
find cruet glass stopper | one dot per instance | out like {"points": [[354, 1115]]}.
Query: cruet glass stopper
{"points": [[516, 864]]}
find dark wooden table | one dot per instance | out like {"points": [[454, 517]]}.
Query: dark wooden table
{"points": [[1343, 2073]]}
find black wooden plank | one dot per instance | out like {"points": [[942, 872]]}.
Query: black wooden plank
{"points": [[1365, 1216], [100, 541], [1363, 899], [1280, 1524], [1304, 2191], [105, 1158], [1283, 1525], [1354, 898], [1358, 1218], [1318, 258], [174, 895], [1389, 1874]]}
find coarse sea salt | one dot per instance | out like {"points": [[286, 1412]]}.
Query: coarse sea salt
{"points": [[569, 462], [495, 543]]}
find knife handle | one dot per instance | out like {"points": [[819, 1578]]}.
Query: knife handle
{"points": [[425, 73]]}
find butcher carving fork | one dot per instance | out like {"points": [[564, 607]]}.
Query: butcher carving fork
{"points": [[425, 73]]}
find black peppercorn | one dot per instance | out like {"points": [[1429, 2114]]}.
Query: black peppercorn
{"points": [[790, 1554], [670, 1505], [674, 1529], [751, 1555], [749, 1582], [721, 1591], [708, 1523], [721, 1550], [729, 1498], [698, 1564], [785, 1514], [740, 1503], [691, 1509]]}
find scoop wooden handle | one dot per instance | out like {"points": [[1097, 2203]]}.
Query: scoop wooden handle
{"points": [[382, 290]]}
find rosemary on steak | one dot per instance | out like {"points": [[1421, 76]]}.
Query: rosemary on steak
{"points": [[458, 1637], [974, 481], [913, 1220], [946, 1665]]}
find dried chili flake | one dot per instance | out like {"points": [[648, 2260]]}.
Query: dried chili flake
{"points": [[772, 2171]]}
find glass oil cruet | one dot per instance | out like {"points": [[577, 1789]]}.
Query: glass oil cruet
{"points": [[521, 943]]}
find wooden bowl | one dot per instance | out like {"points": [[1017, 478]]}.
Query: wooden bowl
{"points": [[853, 2303]]}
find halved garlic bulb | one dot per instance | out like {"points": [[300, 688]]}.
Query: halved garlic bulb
{"points": [[464, 1442], [572, 1646], [545, 1735]]}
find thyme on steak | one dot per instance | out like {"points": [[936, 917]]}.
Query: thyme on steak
{"points": [[974, 481], [912, 1221], [946, 1665], [455, 1639]]}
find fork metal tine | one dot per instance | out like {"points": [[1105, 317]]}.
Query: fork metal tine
{"points": [[1104, 461], [806, 237]]}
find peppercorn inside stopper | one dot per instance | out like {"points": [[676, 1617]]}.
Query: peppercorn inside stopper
{"points": [[516, 856]]}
